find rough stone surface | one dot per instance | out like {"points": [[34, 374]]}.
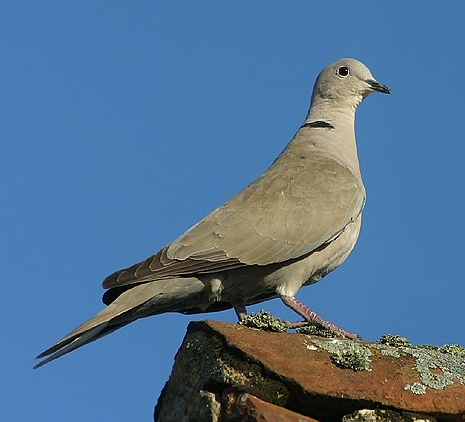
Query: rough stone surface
{"points": [[245, 406], [223, 368], [381, 415]]}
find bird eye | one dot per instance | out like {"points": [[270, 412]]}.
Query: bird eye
{"points": [[343, 71]]}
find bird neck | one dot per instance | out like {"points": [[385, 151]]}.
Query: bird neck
{"points": [[331, 110], [334, 134]]}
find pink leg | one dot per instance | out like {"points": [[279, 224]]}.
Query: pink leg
{"points": [[312, 318]]}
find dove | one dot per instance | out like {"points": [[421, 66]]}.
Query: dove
{"points": [[289, 228]]}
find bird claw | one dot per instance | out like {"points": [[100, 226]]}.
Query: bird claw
{"points": [[312, 319], [320, 330]]}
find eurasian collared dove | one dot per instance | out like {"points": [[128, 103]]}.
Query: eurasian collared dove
{"points": [[290, 227]]}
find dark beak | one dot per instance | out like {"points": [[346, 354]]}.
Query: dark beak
{"points": [[376, 86]]}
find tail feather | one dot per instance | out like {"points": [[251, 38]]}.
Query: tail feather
{"points": [[169, 295], [65, 347]]}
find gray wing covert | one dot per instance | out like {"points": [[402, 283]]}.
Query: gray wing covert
{"points": [[298, 205]]}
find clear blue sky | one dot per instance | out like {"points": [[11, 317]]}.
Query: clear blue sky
{"points": [[123, 123]]}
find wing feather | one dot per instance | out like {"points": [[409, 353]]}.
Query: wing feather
{"points": [[297, 206]]}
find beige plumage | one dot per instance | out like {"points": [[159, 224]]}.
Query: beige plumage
{"points": [[290, 227]]}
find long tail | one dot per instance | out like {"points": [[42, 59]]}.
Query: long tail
{"points": [[142, 300]]}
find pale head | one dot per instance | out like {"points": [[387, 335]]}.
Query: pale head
{"points": [[348, 81]]}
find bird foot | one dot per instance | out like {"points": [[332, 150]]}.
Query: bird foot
{"points": [[311, 318]]}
